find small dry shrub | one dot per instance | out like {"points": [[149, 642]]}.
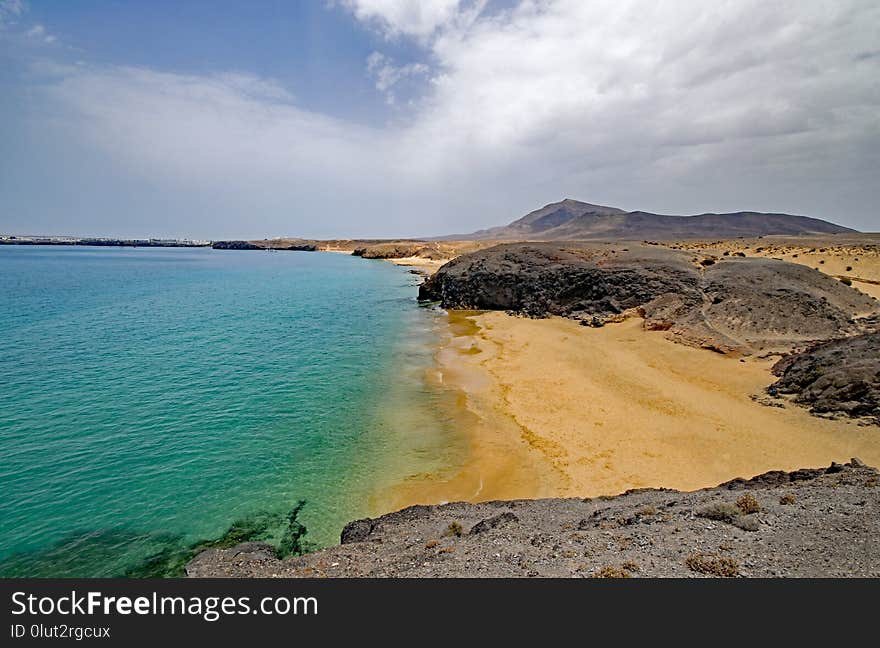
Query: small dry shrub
{"points": [[787, 499], [430, 544], [713, 565], [454, 529], [610, 571], [730, 513], [748, 504], [720, 511], [447, 550], [646, 511]]}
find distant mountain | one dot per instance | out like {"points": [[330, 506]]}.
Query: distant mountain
{"points": [[571, 219]]}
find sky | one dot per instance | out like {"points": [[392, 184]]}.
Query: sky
{"points": [[382, 118]]}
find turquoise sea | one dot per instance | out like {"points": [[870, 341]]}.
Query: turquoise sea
{"points": [[153, 398]]}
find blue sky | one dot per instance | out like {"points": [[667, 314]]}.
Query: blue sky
{"points": [[401, 118], [310, 48]]}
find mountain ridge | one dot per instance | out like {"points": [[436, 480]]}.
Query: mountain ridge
{"points": [[570, 219]]}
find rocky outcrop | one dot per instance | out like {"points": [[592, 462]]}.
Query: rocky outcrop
{"points": [[807, 523], [432, 250], [389, 250], [553, 279], [236, 245], [841, 377], [741, 305], [299, 247], [290, 245]]}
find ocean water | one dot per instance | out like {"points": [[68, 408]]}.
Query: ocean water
{"points": [[151, 398]]}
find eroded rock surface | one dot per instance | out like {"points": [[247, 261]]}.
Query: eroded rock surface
{"points": [[837, 377]]}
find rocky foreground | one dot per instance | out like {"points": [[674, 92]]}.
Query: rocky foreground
{"points": [[806, 523]]}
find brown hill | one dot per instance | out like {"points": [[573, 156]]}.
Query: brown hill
{"points": [[572, 220]]}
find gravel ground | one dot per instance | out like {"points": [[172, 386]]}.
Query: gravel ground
{"points": [[807, 523]]}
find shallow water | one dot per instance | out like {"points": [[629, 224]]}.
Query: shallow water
{"points": [[151, 397]]}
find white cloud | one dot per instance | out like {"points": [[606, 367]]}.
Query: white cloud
{"points": [[387, 74], [38, 33], [679, 107], [11, 8], [419, 18]]}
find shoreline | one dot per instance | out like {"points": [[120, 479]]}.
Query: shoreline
{"points": [[554, 409], [453, 461]]}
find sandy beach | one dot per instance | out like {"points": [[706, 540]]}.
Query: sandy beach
{"points": [[423, 265], [561, 410]]}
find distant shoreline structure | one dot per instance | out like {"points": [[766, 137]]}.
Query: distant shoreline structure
{"points": [[100, 241]]}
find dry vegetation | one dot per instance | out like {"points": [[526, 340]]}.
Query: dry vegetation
{"points": [[748, 504], [713, 565], [454, 529]]}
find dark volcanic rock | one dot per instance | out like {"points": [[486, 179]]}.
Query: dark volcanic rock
{"points": [[553, 279], [235, 245], [356, 531], [838, 377], [494, 522], [734, 304], [300, 247], [810, 523]]}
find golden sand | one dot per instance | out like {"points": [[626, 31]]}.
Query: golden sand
{"points": [[427, 266], [556, 409]]}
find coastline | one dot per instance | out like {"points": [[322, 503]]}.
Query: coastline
{"points": [[491, 462], [421, 265], [554, 409]]}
